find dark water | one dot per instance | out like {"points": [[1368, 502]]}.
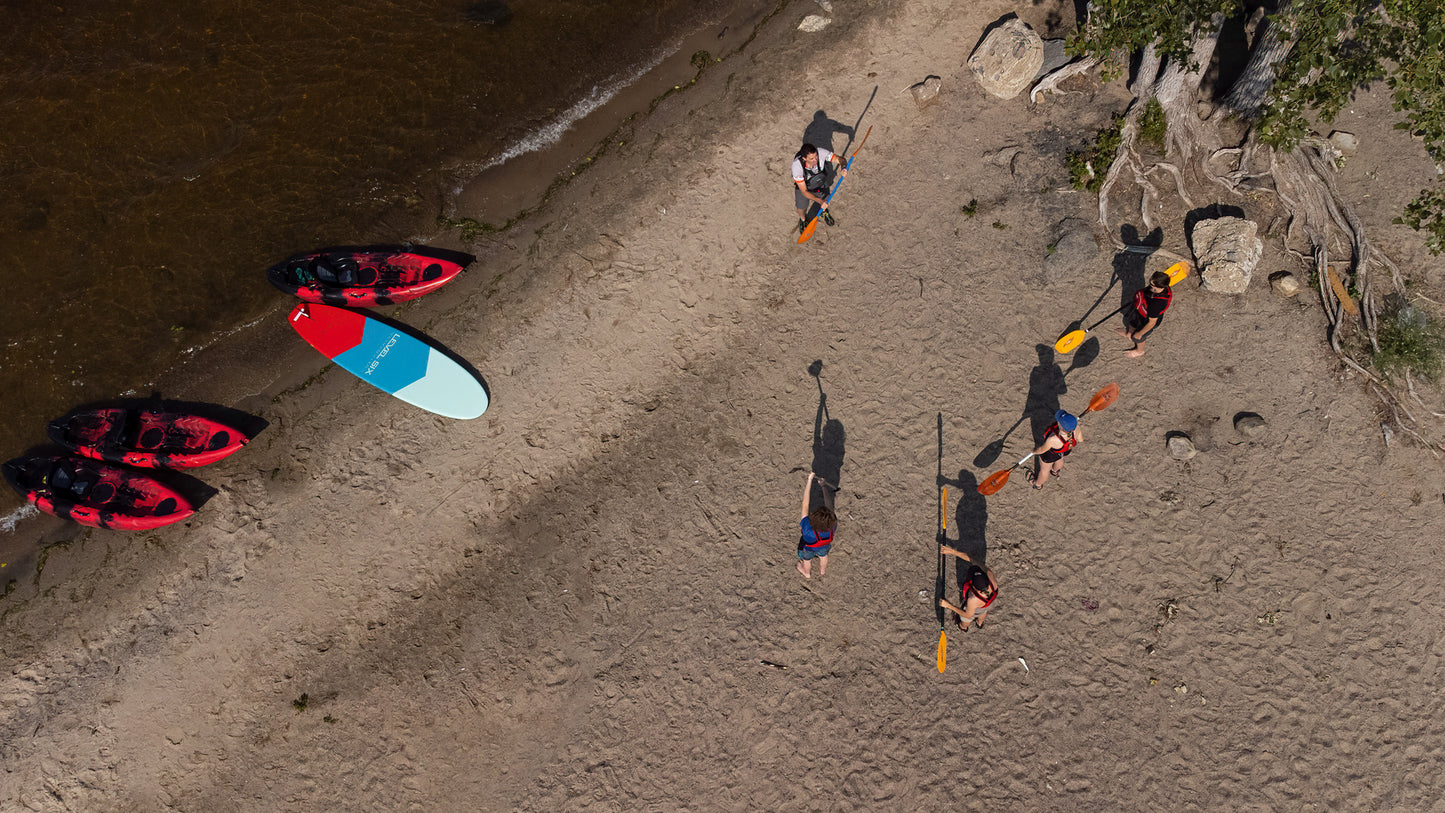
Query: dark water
{"points": [[156, 156]]}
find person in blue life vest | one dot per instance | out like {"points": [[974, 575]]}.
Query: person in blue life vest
{"points": [[1150, 303], [810, 181], [818, 527], [1059, 439], [978, 591]]}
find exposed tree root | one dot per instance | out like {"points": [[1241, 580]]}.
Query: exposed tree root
{"points": [[1303, 182]]}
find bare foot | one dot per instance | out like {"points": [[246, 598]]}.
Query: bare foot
{"points": [[803, 569], [1133, 354], [822, 566]]}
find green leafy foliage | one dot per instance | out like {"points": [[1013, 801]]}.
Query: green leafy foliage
{"points": [[1339, 47], [1410, 340], [1087, 167], [1152, 125], [1426, 213], [1123, 27]]}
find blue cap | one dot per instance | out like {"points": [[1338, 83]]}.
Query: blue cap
{"points": [[1066, 422]]}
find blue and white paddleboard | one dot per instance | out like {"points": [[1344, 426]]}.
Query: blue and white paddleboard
{"points": [[391, 360]]}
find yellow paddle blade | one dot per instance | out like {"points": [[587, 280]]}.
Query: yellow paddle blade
{"points": [[942, 650], [943, 509], [1071, 341], [1177, 272]]}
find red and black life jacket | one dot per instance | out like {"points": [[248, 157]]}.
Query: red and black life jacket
{"points": [[1145, 297], [968, 588], [1069, 442]]}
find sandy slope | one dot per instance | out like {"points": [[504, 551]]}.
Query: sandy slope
{"points": [[564, 605]]}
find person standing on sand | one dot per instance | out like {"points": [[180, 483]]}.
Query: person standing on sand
{"points": [[810, 181], [1059, 439], [818, 526], [1150, 303], [977, 591]]}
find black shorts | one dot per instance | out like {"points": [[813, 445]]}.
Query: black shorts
{"points": [[1133, 321]]}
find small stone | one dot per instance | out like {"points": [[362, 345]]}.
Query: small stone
{"points": [[1180, 446], [1344, 142], [813, 23], [1284, 283], [925, 93], [1249, 424], [1182, 689]]}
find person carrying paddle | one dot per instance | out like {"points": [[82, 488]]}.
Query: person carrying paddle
{"points": [[1150, 303], [978, 591], [810, 181], [818, 527], [1059, 439]]}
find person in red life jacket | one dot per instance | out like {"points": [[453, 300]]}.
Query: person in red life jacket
{"points": [[818, 526], [1150, 303], [978, 590], [810, 181], [1059, 439]]}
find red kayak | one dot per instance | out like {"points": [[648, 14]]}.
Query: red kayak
{"points": [[96, 494], [362, 277], [146, 438]]}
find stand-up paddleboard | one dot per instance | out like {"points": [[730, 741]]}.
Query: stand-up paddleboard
{"points": [[391, 360]]}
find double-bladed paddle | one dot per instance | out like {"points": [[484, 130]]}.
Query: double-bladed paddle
{"points": [[1102, 399], [813, 224], [1070, 341]]}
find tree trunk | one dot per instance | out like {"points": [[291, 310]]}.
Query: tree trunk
{"points": [[1246, 97]]}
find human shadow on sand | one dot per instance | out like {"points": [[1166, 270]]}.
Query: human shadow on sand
{"points": [[1046, 385], [829, 442], [969, 525]]}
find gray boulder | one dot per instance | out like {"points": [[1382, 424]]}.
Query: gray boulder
{"points": [[1008, 59], [1226, 252]]}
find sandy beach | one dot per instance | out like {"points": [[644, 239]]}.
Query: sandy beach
{"points": [[586, 600]]}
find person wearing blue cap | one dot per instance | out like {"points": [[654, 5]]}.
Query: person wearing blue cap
{"points": [[1059, 439]]}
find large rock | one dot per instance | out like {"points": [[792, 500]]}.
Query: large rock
{"points": [[1226, 251], [1008, 59]]}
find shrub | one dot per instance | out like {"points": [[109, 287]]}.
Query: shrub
{"points": [[1410, 340]]}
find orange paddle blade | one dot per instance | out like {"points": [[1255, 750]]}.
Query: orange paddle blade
{"points": [[1177, 272], [943, 509], [942, 650], [992, 483], [1103, 398], [808, 231], [1071, 341]]}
